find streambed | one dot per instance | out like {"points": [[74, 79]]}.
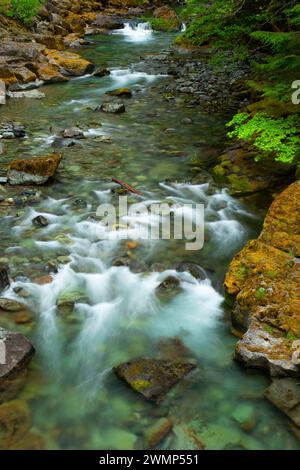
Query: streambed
{"points": [[97, 313]]}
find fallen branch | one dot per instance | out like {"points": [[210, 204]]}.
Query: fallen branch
{"points": [[126, 186]]}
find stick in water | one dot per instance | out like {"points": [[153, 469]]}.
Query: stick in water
{"points": [[126, 186]]}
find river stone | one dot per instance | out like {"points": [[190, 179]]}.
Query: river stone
{"points": [[168, 288], [4, 279], [9, 305], [33, 171], [285, 394], [73, 133], [120, 93], [34, 94], [153, 378], [194, 269], [40, 221], [15, 353], [113, 107], [2, 92], [102, 72]]}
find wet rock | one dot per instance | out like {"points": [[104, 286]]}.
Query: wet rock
{"points": [[69, 63], [262, 283], [121, 93], [4, 278], [28, 196], [74, 40], [239, 170], [101, 72], [17, 352], [263, 347], [2, 92], [15, 422], [108, 22], [168, 288], [73, 133], [170, 20], [23, 318], [33, 171], [158, 432], [24, 75], [34, 94], [11, 130], [285, 394], [9, 305], [40, 221], [112, 107], [152, 378], [194, 269], [48, 73]]}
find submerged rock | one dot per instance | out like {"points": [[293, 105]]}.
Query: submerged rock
{"points": [[285, 395], [10, 130], [262, 283], [33, 171], [113, 107], [168, 288], [40, 221], [153, 378], [121, 93], [102, 72], [73, 133], [158, 432], [34, 94], [194, 269], [16, 353], [15, 422]]}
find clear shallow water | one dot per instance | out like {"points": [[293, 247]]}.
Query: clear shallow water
{"points": [[95, 315]]}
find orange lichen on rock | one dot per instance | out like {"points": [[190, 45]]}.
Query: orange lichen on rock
{"points": [[43, 166], [264, 280], [69, 63]]}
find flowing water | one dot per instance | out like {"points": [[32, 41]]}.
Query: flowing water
{"points": [[96, 314]]}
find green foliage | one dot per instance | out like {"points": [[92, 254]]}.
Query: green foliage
{"points": [[277, 136], [161, 24], [260, 293], [24, 10], [237, 29]]}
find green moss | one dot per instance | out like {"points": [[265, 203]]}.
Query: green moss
{"points": [[268, 329], [242, 272], [140, 385], [239, 183], [260, 293]]}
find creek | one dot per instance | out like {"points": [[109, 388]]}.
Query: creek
{"points": [[97, 313]]}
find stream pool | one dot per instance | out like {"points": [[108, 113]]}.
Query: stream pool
{"points": [[97, 313]]}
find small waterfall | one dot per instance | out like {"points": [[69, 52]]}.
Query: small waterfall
{"points": [[183, 27], [136, 32]]}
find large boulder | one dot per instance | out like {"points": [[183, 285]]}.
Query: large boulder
{"points": [[262, 284], [153, 378], [108, 22], [169, 20], [239, 170], [33, 171], [15, 354], [69, 63], [48, 73]]}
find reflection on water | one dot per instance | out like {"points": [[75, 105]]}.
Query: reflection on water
{"points": [[101, 307]]}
